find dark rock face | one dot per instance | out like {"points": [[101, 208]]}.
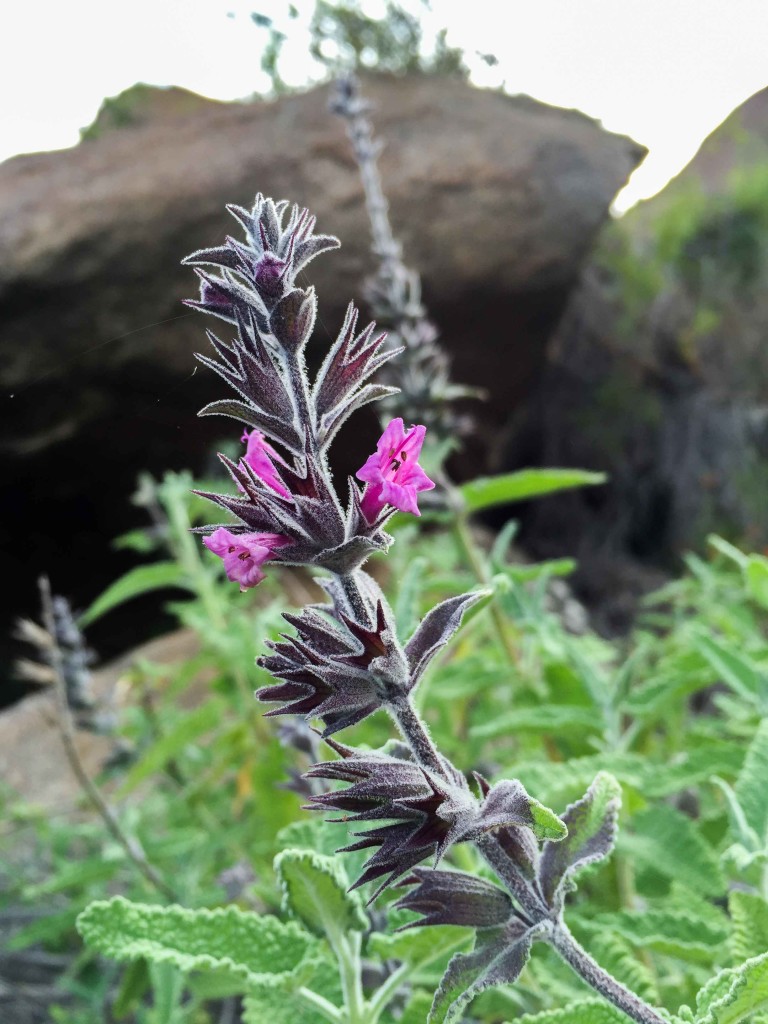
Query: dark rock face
{"points": [[658, 373], [497, 201]]}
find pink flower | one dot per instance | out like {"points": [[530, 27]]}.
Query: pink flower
{"points": [[244, 554], [393, 474], [259, 455]]}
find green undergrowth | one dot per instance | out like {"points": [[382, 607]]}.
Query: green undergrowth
{"points": [[676, 712]]}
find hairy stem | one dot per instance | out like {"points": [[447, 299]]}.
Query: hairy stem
{"points": [[416, 736], [533, 907], [132, 846], [600, 980]]}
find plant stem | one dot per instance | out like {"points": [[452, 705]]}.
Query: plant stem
{"points": [[347, 951], [464, 536], [415, 734], [385, 992], [603, 982], [319, 1003], [132, 846], [531, 903]]}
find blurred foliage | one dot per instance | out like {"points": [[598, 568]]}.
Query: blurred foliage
{"points": [[673, 711], [344, 36]]}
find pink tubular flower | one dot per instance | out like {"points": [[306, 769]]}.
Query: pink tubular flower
{"points": [[244, 554], [393, 474], [259, 455]]}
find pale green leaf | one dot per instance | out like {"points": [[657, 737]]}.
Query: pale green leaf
{"points": [[419, 946], [749, 916], [485, 492], [240, 944], [138, 581], [281, 1001], [315, 891], [751, 788], [585, 1011], [735, 994]]}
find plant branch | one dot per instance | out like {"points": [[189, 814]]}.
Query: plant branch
{"points": [[600, 980], [385, 992], [319, 1003], [132, 847]]}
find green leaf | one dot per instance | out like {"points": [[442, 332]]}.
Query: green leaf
{"points": [[735, 994], [756, 576], [315, 890], [189, 728], [133, 985], [419, 946], [617, 956], [736, 669], [138, 581], [668, 842], [485, 492], [749, 917], [591, 824], [243, 945], [751, 789], [281, 1002], [674, 932], [585, 1011], [547, 718], [309, 834], [497, 959]]}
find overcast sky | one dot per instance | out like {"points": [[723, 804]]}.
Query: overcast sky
{"points": [[665, 72]]}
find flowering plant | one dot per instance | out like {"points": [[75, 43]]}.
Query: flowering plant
{"points": [[345, 660]]}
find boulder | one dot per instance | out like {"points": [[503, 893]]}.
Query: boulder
{"points": [[658, 374], [497, 201]]}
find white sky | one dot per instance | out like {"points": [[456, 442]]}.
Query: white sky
{"points": [[665, 72]]}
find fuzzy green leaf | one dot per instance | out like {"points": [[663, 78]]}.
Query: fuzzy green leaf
{"points": [[735, 994], [281, 1000], [749, 916], [485, 492], [591, 824], [250, 947], [667, 841], [585, 1011], [497, 959], [141, 580], [751, 789], [315, 890], [419, 946]]}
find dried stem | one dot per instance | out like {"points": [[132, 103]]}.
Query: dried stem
{"points": [[132, 847]]}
